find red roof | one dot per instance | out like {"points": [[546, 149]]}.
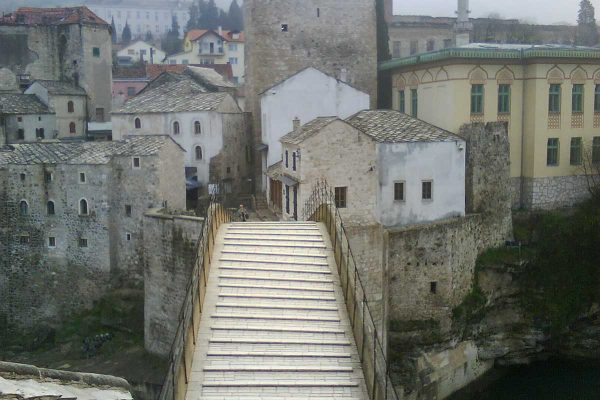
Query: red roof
{"points": [[52, 16], [154, 70], [226, 35]]}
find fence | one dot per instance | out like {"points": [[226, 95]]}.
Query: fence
{"points": [[184, 343], [321, 207]]}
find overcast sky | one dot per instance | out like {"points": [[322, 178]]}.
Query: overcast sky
{"points": [[538, 11]]}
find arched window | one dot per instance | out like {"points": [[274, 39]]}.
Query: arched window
{"points": [[197, 128], [70, 107], [138, 123], [83, 207], [23, 208], [50, 207], [198, 153], [72, 128], [175, 128]]}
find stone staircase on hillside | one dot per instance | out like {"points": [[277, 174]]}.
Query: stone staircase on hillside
{"points": [[261, 202], [275, 324]]}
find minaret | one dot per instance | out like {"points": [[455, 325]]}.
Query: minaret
{"points": [[463, 26]]}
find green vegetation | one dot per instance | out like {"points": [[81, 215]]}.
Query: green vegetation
{"points": [[504, 255], [563, 279], [472, 307]]}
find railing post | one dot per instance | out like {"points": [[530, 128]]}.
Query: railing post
{"points": [[374, 364], [174, 377]]}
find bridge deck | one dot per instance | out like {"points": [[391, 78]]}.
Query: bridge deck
{"points": [[275, 324]]}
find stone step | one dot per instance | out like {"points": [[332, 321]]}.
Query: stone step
{"points": [[282, 260], [277, 227], [276, 238], [280, 354], [275, 275], [318, 342], [277, 297], [268, 317], [312, 253], [273, 244], [300, 329], [259, 368], [277, 233], [273, 279], [272, 268], [275, 306], [280, 383], [270, 286]]}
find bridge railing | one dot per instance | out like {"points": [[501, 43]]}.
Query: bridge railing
{"points": [[184, 343], [321, 207]]}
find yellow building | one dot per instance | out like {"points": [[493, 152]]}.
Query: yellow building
{"points": [[549, 96], [205, 46]]}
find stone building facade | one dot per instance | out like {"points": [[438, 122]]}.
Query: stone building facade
{"points": [[286, 36], [546, 94], [209, 125], [71, 221], [24, 118], [58, 44]]}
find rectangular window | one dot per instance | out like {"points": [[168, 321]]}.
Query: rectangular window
{"points": [[597, 99], [48, 177], [398, 191], [128, 237], [20, 134], [414, 109], [430, 45], [136, 162], [596, 150], [427, 190], [128, 210], [414, 47], [396, 47], [401, 101], [577, 99], [51, 241], [83, 242], [287, 199], [477, 99], [286, 159], [131, 51], [575, 151], [554, 99], [82, 177], [503, 99], [341, 197], [96, 51], [24, 239], [433, 287], [552, 152], [293, 161]]}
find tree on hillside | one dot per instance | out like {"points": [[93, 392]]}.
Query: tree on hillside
{"points": [[194, 16], [209, 18], [113, 31], [126, 34], [587, 31], [149, 37], [171, 43], [235, 17]]}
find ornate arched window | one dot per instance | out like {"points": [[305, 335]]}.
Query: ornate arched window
{"points": [[50, 207], [23, 208], [83, 207]]}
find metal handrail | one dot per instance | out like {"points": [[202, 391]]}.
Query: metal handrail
{"points": [[213, 215], [321, 207]]}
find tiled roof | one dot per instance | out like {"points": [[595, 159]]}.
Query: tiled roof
{"points": [[80, 152], [227, 35], [307, 130], [52, 16], [154, 70], [195, 34], [174, 96], [121, 72], [17, 103], [395, 127], [61, 88], [210, 76]]}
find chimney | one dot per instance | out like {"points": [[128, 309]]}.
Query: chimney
{"points": [[296, 123], [220, 30], [344, 75]]}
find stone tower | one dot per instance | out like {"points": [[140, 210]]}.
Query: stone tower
{"points": [[286, 36], [463, 26]]}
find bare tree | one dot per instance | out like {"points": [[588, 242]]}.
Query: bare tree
{"points": [[590, 168]]}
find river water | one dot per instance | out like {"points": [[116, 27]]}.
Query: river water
{"points": [[549, 380]]}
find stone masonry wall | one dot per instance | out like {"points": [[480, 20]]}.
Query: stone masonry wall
{"points": [[554, 192], [170, 251]]}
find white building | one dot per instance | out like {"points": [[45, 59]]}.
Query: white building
{"points": [[385, 167], [205, 46], [141, 51], [210, 126], [305, 95], [143, 16]]}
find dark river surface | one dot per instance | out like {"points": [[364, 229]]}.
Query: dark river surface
{"points": [[553, 380]]}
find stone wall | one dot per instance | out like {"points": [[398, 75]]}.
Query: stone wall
{"points": [[554, 192], [170, 249]]}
